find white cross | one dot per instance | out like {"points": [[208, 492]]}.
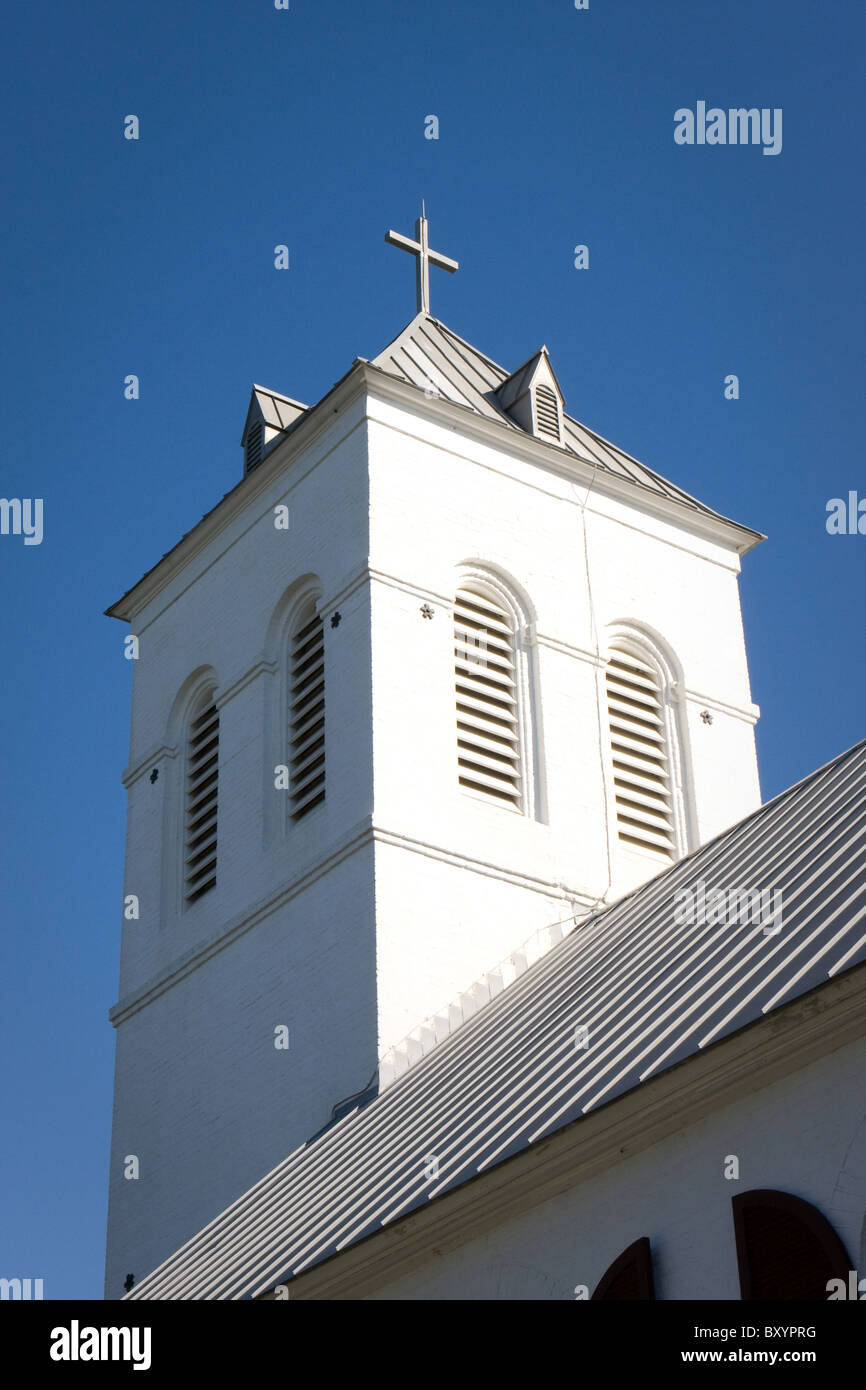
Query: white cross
{"points": [[420, 248]]}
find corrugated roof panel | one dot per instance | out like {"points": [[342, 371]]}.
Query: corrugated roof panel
{"points": [[652, 991], [455, 373], [479, 379], [425, 373]]}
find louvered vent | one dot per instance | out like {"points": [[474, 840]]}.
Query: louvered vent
{"points": [[488, 736], [202, 774], [307, 719], [640, 755], [253, 456], [546, 412]]}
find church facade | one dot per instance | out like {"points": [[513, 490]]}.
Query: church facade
{"points": [[442, 679]]}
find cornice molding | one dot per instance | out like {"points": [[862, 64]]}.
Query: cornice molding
{"points": [[237, 926], [393, 581], [150, 759], [344, 590], [549, 887], [259, 668], [364, 377], [362, 834], [750, 714], [302, 435], [568, 649], [554, 458]]}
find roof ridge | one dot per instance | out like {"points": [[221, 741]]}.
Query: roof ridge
{"points": [[280, 395], [466, 343]]}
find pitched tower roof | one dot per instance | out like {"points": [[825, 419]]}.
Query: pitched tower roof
{"points": [[430, 355]]}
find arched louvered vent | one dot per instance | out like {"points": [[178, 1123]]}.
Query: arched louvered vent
{"points": [[546, 412], [641, 765], [786, 1248], [630, 1277], [202, 777], [253, 453], [488, 728], [307, 718]]}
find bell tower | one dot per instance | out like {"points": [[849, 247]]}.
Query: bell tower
{"points": [[442, 673]]}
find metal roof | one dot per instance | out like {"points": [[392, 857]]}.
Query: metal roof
{"points": [[427, 353], [279, 412], [651, 992]]}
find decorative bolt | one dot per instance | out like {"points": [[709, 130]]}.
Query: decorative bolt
{"points": [[706, 716], [426, 610], [335, 619], [154, 774]]}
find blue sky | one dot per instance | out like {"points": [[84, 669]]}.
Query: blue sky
{"points": [[155, 257]]}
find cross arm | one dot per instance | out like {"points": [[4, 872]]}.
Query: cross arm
{"points": [[405, 243], [444, 262]]}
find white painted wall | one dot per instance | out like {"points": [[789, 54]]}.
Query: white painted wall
{"points": [[463, 882], [202, 1097], [805, 1135]]}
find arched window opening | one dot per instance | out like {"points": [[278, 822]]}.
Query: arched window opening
{"points": [[641, 754], [307, 715], [489, 735], [202, 787]]}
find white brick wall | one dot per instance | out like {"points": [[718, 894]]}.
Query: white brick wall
{"points": [[205, 1100], [293, 932], [202, 1096], [449, 903]]}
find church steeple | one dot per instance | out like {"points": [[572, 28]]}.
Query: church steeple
{"points": [[455, 705]]}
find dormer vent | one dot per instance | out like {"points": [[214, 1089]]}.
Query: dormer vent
{"points": [[532, 398], [253, 446], [546, 412], [269, 416]]}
